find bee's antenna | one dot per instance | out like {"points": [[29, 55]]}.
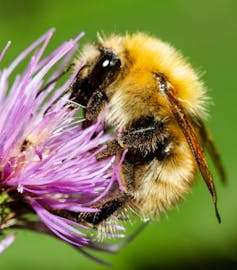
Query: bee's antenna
{"points": [[65, 71]]}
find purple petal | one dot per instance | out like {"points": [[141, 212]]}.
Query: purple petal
{"points": [[6, 242], [4, 50], [48, 159], [63, 228]]}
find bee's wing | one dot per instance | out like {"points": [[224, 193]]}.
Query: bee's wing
{"points": [[212, 150], [189, 132]]}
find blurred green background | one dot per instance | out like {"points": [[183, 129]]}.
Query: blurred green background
{"points": [[206, 32]]}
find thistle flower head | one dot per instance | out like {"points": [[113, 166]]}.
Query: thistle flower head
{"points": [[48, 161]]}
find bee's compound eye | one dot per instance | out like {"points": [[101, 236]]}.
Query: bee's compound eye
{"points": [[109, 60], [106, 68], [106, 63]]}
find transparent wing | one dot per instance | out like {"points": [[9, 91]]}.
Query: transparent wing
{"points": [[191, 136], [212, 151]]}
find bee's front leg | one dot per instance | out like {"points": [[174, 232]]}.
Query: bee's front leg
{"points": [[95, 105], [113, 148]]}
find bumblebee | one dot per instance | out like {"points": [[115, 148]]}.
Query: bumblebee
{"points": [[156, 104]]}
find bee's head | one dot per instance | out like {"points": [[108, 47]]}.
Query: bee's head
{"points": [[100, 67], [120, 68]]}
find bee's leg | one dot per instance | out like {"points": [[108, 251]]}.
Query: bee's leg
{"points": [[113, 148], [107, 209], [141, 137], [95, 105], [127, 169], [146, 138]]}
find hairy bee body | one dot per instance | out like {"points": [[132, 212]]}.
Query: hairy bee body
{"points": [[156, 102]]}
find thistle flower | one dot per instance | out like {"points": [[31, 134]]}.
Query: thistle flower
{"points": [[47, 161]]}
